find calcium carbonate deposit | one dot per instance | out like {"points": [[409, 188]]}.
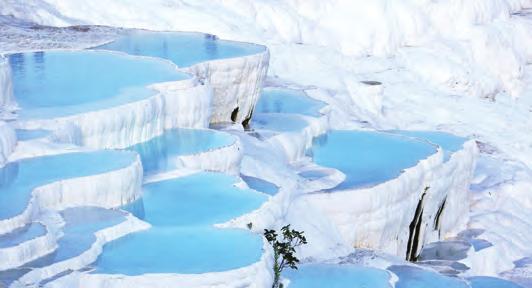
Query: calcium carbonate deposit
{"points": [[150, 143]]}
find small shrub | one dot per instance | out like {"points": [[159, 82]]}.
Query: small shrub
{"points": [[284, 250]]}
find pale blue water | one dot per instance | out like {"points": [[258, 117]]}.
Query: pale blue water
{"points": [[18, 179], [445, 250], [312, 174], [260, 185], [199, 199], [80, 225], [23, 134], [184, 49], [368, 158], [523, 262], [180, 250], [277, 100], [278, 122], [21, 235], [159, 153], [182, 238], [480, 244], [412, 277], [337, 276], [58, 83], [491, 282], [448, 142]]}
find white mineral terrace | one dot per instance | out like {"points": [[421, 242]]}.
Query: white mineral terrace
{"points": [[143, 158]]}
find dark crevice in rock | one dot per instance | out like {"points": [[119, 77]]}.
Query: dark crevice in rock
{"points": [[415, 230], [371, 82], [80, 28], [234, 114], [437, 222], [246, 121]]}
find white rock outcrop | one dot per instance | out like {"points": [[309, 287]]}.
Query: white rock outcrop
{"points": [[236, 83], [295, 144], [6, 84], [224, 159], [8, 141]]}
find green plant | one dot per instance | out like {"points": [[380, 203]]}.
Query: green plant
{"points": [[284, 250]]}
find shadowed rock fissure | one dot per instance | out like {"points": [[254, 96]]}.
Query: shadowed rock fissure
{"points": [[438, 215], [245, 123], [234, 114], [415, 230], [371, 83]]}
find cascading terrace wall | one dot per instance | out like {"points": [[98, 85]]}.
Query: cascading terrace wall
{"points": [[7, 134], [433, 195], [6, 86], [236, 83]]}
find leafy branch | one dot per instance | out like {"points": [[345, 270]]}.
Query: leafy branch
{"points": [[284, 250]]}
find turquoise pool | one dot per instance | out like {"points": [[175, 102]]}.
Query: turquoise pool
{"points": [[491, 282], [24, 134], [59, 83], [413, 277], [278, 122], [20, 178], [278, 100], [159, 153], [368, 158], [337, 276], [199, 199], [182, 238], [184, 49], [80, 225], [448, 142], [260, 185], [180, 250], [312, 174], [23, 234]]}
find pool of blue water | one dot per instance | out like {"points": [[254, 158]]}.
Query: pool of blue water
{"points": [[22, 234], [184, 49], [491, 282], [448, 142], [159, 153], [199, 199], [18, 179], [180, 250], [182, 238], [413, 277], [337, 276], [260, 185], [277, 100], [278, 122], [445, 250], [59, 83], [523, 262], [313, 174], [368, 158], [81, 223], [24, 134]]}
